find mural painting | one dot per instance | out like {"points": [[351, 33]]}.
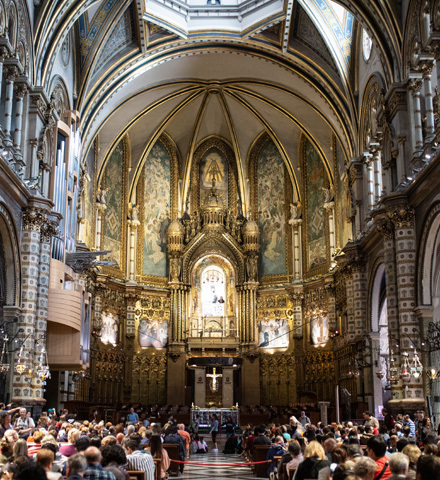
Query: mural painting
{"points": [[153, 333], [319, 329], [271, 215], [113, 181], [315, 177], [273, 333], [157, 187], [109, 328], [214, 168]]}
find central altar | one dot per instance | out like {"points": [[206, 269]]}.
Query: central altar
{"points": [[222, 415]]}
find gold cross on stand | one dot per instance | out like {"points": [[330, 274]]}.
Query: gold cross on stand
{"points": [[214, 375]]}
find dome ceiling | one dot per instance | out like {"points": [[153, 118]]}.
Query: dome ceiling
{"points": [[288, 77]]}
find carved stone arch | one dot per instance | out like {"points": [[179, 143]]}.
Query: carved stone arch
{"points": [[429, 264], [11, 249], [59, 97], [212, 244], [412, 41], [435, 15], [2, 18], [372, 102], [204, 146], [13, 24]]}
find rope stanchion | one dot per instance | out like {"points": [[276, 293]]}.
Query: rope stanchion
{"points": [[220, 464]]}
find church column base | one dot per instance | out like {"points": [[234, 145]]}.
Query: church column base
{"points": [[176, 375]]}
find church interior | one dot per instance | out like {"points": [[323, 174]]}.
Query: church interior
{"points": [[227, 204]]}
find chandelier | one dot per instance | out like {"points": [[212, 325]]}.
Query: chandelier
{"points": [[417, 367], [21, 367], [4, 364], [43, 372]]}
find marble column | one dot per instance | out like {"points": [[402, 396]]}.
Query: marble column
{"points": [[370, 180], [46, 232], [402, 217], [427, 68], [133, 226], [100, 209], [323, 410], [415, 86], [377, 175], [10, 75], [20, 92], [33, 220], [3, 55], [297, 248], [386, 228], [330, 208]]}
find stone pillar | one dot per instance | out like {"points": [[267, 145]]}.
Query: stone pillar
{"points": [[46, 232], [200, 387], [3, 55], [429, 107], [386, 228], [402, 217], [33, 220], [100, 209], [323, 409], [133, 226], [350, 333], [20, 92], [415, 86], [377, 176], [370, 180], [297, 248], [10, 74], [228, 387], [330, 208], [359, 277]]}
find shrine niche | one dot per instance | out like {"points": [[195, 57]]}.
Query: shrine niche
{"points": [[319, 333], [153, 333], [213, 297], [110, 328]]}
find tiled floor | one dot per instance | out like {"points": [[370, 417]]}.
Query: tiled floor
{"points": [[207, 472]]}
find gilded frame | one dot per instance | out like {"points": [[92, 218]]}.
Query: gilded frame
{"points": [[288, 196], [154, 280], [202, 149], [307, 272], [120, 272]]}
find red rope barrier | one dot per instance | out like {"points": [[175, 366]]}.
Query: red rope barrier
{"points": [[220, 464]]}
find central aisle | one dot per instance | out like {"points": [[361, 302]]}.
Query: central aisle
{"points": [[194, 472]]}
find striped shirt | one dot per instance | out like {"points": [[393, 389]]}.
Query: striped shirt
{"points": [[141, 462]]}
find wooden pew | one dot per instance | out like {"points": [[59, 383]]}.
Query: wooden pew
{"points": [[136, 475], [173, 452], [259, 455]]}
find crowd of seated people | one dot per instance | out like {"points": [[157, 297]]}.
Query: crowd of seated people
{"points": [[58, 447]]}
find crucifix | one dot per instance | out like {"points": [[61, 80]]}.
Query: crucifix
{"points": [[214, 375]]}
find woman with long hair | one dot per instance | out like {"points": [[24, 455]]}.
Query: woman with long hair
{"points": [[314, 460], [5, 424], [157, 451]]}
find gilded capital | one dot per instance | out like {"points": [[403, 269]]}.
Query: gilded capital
{"points": [[402, 217], [415, 85], [33, 219], [384, 226]]}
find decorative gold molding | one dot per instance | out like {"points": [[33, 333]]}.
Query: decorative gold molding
{"points": [[121, 271], [170, 146], [201, 150], [310, 273]]}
